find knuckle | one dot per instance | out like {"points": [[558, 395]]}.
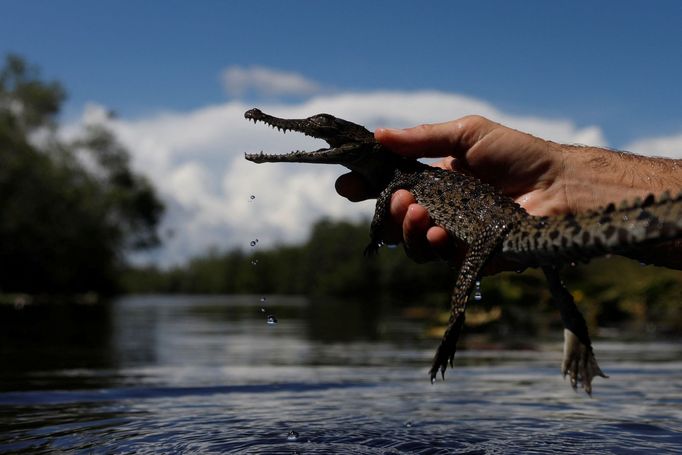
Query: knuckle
{"points": [[423, 129]]}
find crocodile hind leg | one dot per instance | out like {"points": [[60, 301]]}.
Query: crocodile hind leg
{"points": [[578, 363], [475, 258]]}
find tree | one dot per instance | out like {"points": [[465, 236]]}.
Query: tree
{"points": [[68, 211]]}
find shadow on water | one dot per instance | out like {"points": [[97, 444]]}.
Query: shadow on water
{"points": [[332, 320], [53, 337]]}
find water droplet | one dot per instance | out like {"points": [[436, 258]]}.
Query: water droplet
{"points": [[262, 309], [263, 299], [271, 319], [433, 380], [572, 264], [252, 197], [254, 261], [253, 242], [625, 218], [408, 424], [292, 436], [477, 291]]}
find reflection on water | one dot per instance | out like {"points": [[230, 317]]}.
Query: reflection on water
{"points": [[209, 375]]}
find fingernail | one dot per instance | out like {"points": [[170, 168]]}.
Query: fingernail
{"points": [[388, 131]]}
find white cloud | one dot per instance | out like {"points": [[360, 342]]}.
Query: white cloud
{"points": [[404, 109], [239, 81], [195, 159], [665, 146]]}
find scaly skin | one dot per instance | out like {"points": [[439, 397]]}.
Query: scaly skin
{"points": [[490, 224]]}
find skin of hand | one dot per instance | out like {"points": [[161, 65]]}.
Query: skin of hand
{"points": [[544, 177]]}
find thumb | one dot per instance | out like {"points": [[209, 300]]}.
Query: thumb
{"points": [[436, 139]]}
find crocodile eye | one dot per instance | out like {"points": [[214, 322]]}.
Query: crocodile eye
{"points": [[323, 119]]}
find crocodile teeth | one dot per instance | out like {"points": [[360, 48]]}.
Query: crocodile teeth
{"points": [[282, 129]]}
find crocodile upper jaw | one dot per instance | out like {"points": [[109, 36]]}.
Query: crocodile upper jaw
{"points": [[338, 133]]}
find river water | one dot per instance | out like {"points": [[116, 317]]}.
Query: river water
{"points": [[208, 375]]}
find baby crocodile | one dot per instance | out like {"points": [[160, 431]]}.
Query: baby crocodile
{"points": [[490, 224]]}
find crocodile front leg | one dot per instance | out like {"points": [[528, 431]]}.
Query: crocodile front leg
{"points": [[579, 362], [382, 209], [381, 214]]}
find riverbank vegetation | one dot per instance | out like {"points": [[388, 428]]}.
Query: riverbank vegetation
{"points": [[611, 291], [71, 209]]}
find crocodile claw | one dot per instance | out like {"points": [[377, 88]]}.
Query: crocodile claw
{"points": [[440, 364], [448, 346], [579, 363], [371, 249]]}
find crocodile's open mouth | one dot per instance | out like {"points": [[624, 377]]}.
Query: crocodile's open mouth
{"points": [[313, 127]]}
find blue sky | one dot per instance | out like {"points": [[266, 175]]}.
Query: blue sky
{"points": [[180, 74], [617, 64]]}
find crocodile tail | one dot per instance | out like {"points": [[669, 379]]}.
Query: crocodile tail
{"points": [[597, 232]]}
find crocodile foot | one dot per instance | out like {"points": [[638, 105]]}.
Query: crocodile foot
{"points": [[444, 354], [446, 351], [579, 363]]}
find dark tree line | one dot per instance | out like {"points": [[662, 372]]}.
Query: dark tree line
{"points": [[329, 263], [68, 210], [610, 292]]}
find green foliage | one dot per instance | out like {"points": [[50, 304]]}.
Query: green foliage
{"points": [[64, 224], [26, 102], [130, 200], [620, 291]]}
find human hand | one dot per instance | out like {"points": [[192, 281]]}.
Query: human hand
{"points": [[521, 166]]}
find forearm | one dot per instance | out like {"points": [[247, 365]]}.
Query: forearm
{"points": [[594, 177]]}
